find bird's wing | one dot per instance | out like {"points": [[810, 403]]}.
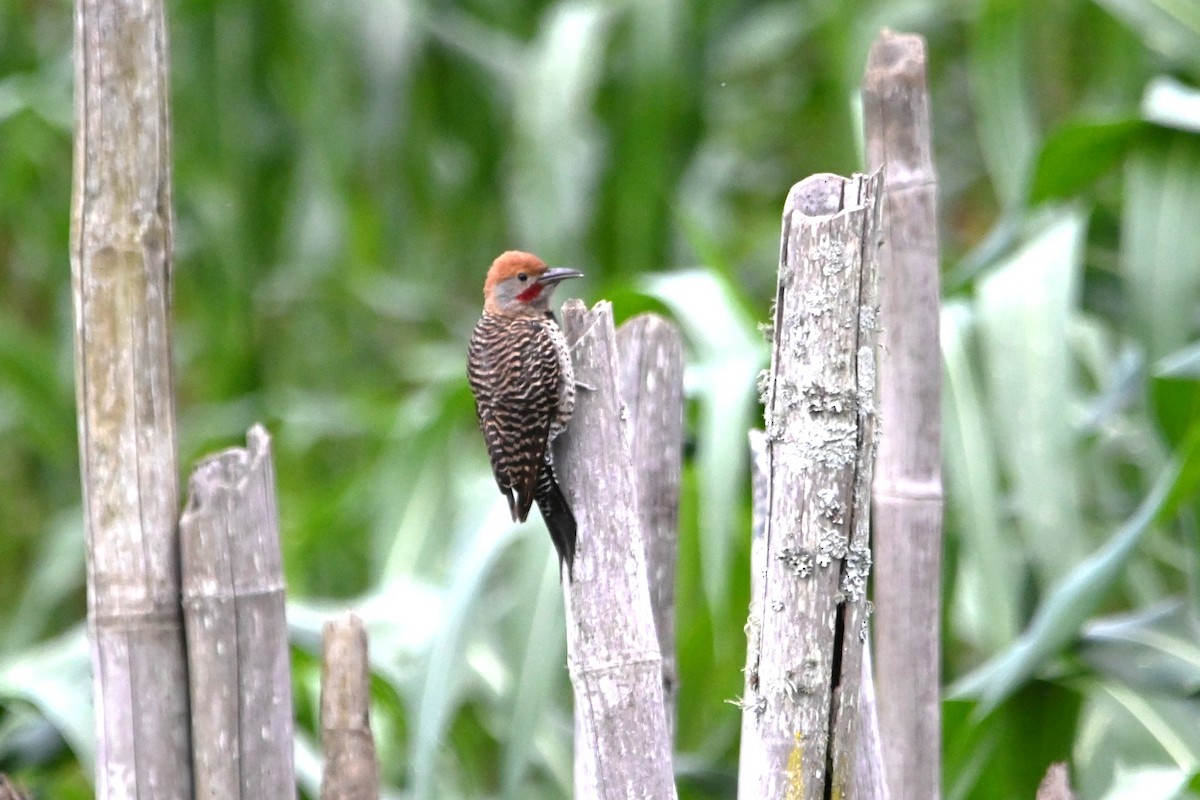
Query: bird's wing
{"points": [[514, 373]]}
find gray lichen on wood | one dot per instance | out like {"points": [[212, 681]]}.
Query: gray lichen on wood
{"points": [[351, 763], [908, 493], [234, 608], [622, 747], [804, 665], [121, 236]]}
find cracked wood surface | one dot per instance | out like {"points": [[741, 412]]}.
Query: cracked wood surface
{"points": [[808, 619]]}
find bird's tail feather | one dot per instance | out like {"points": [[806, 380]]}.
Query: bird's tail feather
{"points": [[559, 519]]}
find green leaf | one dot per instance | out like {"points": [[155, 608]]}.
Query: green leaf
{"points": [[482, 541], [1187, 487], [1060, 616], [537, 673], [1147, 783], [1176, 405], [557, 153], [1006, 127], [1172, 27], [1121, 725], [1160, 240], [55, 677], [1024, 309], [1184, 363], [1169, 103], [989, 563], [726, 356], [1004, 754], [1079, 153], [57, 572], [1152, 651]]}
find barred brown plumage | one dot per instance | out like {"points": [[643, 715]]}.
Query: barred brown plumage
{"points": [[520, 372]]}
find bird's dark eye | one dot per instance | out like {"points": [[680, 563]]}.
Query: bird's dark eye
{"points": [[522, 277]]}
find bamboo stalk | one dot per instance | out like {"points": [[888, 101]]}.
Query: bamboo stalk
{"points": [[238, 655], [351, 765], [760, 486], [1056, 783], [9, 791], [908, 483], [800, 719], [621, 747], [651, 354], [869, 776], [121, 240]]}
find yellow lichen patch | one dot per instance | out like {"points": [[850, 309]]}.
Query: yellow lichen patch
{"points": [[795, 770]]}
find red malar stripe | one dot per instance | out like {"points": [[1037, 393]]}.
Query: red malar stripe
{"points": [[530, 294]]}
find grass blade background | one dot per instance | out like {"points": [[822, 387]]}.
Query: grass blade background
{"points": [[1068, 605], [989, 561], [1024, 308]]}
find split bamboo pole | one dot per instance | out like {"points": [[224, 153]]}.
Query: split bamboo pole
{"points": [[806, 633]]}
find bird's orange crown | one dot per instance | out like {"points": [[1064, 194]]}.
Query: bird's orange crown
{"points": [[509, 264]]}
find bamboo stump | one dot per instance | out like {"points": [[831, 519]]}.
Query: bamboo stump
{"points": [[808, 625], [238, 657], [351, 765], [621, 744]]}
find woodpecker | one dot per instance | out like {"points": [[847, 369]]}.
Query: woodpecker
{"points": [[520, 372]]}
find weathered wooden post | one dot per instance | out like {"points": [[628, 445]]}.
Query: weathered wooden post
{"points": [[621, 745], [1056, 783], [8, 791], [121, 242], [233, 595], [868, 769], [651, 353], [907, 535], [809, 614], [351, 765]]}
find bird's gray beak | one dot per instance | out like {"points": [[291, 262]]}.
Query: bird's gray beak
{"points": [[553, 276]]}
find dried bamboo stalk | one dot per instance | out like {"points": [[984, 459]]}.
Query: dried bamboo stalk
{"points": [[908, 482], [621, 747], [9, 791], [233, 597], [801, 704], [351, 765], [1056, 783], [121, 241], [760, 478], [651, 353], [869, 777]]}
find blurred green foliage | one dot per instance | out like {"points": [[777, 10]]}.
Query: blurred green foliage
{"points": [[345, 171]]}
